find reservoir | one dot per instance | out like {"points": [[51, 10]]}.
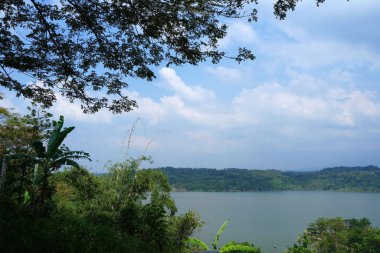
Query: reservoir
{"points": [[272, 220]]}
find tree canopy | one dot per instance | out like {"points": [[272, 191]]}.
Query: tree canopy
{"points": [[338, 235], [86, 50]]}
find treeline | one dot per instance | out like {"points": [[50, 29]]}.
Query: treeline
{"points": [[358, 179]]}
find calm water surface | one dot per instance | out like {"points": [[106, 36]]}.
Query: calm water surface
{"points": [[272, 220]]}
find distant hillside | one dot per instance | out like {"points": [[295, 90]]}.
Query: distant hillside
{"points": [[358, 179]]}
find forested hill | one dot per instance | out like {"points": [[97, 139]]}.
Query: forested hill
{"points": [[358, 179]]}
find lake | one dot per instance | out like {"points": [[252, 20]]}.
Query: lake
{"points": [[273, 220]]}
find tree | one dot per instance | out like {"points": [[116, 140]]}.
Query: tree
{"points": [[338, 235], [51, 158], [17, 133], [16, 136], [138, 201], [281, 7], [85, 49]]}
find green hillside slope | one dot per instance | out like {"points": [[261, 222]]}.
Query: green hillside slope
{"points": [[332, 179]]}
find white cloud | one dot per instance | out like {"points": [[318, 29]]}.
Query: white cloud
{"points": [[239, 33], [148, 109], [351, 107], [190, 93], [269, 102], [306, 101], [191, 114], [336, 108], [270, 117], [73, 111], [226, 74]]}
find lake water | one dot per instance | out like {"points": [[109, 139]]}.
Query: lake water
{"points": [[273, 220]]}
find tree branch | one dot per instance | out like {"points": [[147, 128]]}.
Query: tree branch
{"points": [[50, 31]]}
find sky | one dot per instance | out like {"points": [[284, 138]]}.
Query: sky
{"points": [[310, 100]]}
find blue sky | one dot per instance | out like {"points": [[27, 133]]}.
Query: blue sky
{"points": [[310, 100]]}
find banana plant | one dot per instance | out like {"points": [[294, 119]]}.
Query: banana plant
{"points": [[229, 247], [51, 158]]}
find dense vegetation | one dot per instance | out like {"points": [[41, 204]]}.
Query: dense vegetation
{"points": [[46, 209], [330, 179], [339, 236]]}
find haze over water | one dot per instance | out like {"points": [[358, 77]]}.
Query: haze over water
{"points": [[270, 219]]}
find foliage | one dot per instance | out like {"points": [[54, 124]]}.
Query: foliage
{"points": [[219, 233], [281, 7], [337, 235], [48, 159], [62, 232], [332, 179], [302, 245], [71, 210], [231, 247], [136, 202], [17, 133], [197, 243], [234, 247], [91, 214], [87, 48], [239, 247]]}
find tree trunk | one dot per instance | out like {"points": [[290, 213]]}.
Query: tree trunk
{"points": [[44, 192], [21, 181], [3, 174]]}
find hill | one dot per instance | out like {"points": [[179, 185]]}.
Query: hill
{"points": [[358, 179]]}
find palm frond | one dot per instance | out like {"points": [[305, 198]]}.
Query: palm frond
{"points": [[72, 163], [64, 161], [220, 232], [72, 155]]}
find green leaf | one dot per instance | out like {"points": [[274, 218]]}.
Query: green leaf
{"points": [[57, 129], [237, 247], [197, 242], [72, 155], [27, 198], [57, 137], [62, 162], [220, 232]]}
